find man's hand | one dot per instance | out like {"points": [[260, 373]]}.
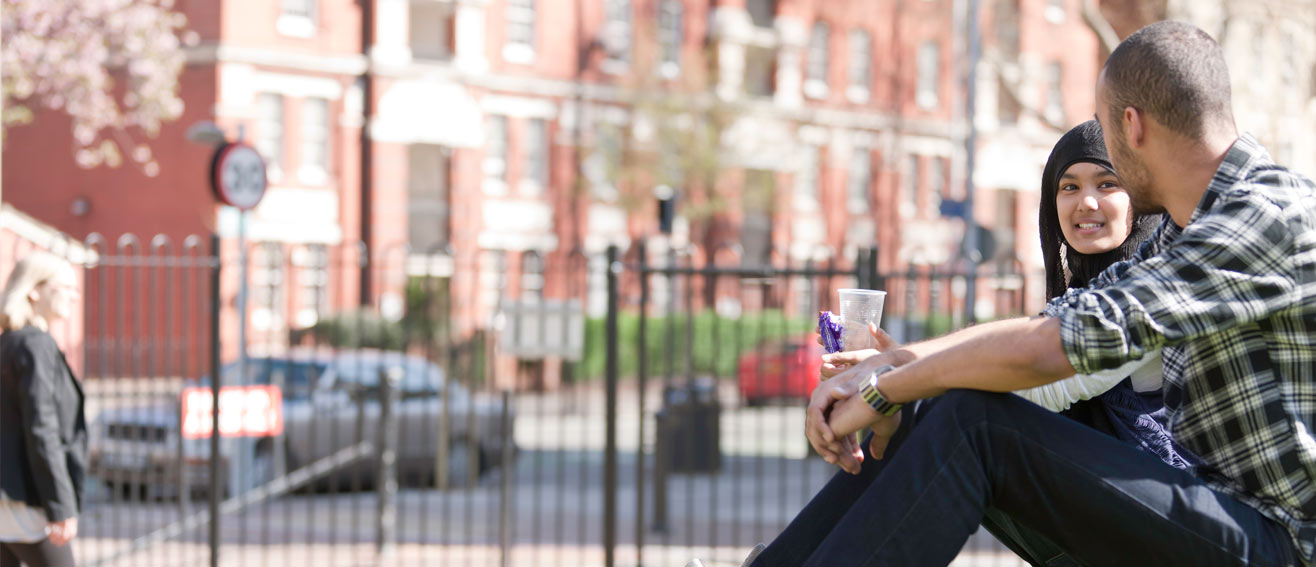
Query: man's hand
{"points": [[839, 362], [882, 433], [63, 531], [815, 420]]}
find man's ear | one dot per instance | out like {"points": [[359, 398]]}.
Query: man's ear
{"points": [[1135, 127]]}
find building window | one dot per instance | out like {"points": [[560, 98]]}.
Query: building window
{"points": [[313, 280], [860, 63], [762, 12], [314, 168], [495, 154], [1007, 29], [936, 185], [756, 230], [267, 286], [671, 32], [427, 198], [297, 18], [534, 176], [532, 276], [760, 71], [604, 163], [617, 34], [269, 132], [520, 46], [1055, 11], [857, 194], [815, 79], [909, 193], [806, 179], [430, 24], [1055, 108], [929, 74]]}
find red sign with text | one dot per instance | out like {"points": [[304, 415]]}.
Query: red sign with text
{"points": [[244, 411]]}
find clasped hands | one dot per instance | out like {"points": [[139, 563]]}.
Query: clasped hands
{"points": [[843, 373]]}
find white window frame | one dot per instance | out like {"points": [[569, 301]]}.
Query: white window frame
{"points": [[1055, 11], [312, 262], [859, 181], [271, 128], [310, 172], [928, 93], [909, 188], [671, 37], [521, 50], [494, 164], [859, 63], [815, 72], [535, 153], [807, 193], [617, 35], [297, 23]]}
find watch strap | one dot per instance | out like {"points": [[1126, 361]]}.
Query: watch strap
{"points": [[874, 398]]}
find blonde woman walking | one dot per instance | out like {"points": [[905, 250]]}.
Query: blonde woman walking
{"points": [[43, 432]]}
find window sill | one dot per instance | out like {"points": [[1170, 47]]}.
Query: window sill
{"points": [[857, 95], [312, 176], [815, 89], [496, 187], [295, 26], [519, 53]]}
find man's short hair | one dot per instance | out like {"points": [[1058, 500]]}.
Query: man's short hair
{"points": [[1175, 73]]}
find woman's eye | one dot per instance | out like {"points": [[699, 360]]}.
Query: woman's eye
{"points": [[1109, 185], [1070, 187]]}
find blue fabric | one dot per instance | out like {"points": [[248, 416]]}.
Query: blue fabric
{"points": [[1139, 419]]}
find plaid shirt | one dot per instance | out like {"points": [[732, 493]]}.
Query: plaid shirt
{"points": [[1232, 299]]}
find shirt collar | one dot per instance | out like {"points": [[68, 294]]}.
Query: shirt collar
{"points": [[1243, 157]]}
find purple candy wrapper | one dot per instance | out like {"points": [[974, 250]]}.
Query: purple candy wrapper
{"points": [[829, 327]]}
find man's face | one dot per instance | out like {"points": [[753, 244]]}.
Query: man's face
{"points": [[1128, 164]]}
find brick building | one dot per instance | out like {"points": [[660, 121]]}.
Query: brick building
{"points": [[480, 140]]}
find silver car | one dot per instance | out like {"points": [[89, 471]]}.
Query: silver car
{"points": [[330, 404]]}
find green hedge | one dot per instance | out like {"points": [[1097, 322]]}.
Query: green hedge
{"points": [[715, 343]]}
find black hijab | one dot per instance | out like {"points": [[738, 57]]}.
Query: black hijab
{"points": [[1066, 267]]}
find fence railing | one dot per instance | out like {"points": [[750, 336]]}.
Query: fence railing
{"points": [[638, 408]]}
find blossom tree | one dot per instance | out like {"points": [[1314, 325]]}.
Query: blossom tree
{"points": [[111, 65]]}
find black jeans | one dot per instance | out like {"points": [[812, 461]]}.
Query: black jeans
{"points": [[969, 453], [39, 554]]}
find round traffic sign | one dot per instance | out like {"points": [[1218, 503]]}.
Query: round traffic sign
{"points": [[238, 175]]}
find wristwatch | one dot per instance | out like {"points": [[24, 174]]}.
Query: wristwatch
{"points": [[875, 398]]}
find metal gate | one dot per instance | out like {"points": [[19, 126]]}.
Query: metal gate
{"points": [[639, 407]]}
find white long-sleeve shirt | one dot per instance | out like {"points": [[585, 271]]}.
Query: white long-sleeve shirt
{"points": [[1059, 395]]}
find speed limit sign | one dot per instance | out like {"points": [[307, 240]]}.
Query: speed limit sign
{"points": [[237, 175]]}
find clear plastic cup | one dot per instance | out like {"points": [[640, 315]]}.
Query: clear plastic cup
{"points": [[859, 307]]}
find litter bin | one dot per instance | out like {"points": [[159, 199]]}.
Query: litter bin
{"points": [[689, 428]]}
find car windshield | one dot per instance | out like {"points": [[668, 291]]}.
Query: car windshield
{"points": [[419, 376], [295, 377]]}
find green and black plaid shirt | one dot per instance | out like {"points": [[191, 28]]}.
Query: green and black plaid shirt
{"points": [[1232, 299]]}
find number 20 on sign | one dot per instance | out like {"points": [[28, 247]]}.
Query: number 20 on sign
{"points": [[244, 411]]}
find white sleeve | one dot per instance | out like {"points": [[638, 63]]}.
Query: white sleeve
{"points": [[1059, 395]]}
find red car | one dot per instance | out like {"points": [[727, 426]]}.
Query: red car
{"points": [[786, 370]]}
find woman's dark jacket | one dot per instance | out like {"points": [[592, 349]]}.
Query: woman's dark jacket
{"points": [[43, 432]]}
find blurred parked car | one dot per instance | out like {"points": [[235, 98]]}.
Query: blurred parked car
{"points": [[330, 400], [782, 371]]}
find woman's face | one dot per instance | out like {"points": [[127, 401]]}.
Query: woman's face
{"points": [[1094, 210], [55, 298]]}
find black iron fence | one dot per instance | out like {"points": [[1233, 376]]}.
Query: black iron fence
{"points": [[637, 407]]}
